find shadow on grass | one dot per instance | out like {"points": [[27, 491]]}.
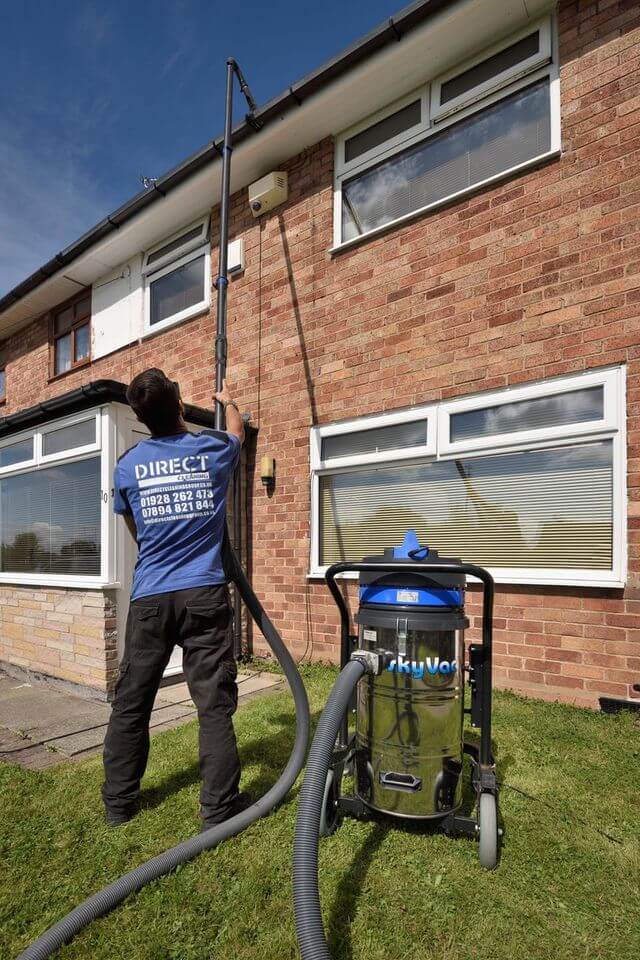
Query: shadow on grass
{"points": [[348, 893], [269, 754]]}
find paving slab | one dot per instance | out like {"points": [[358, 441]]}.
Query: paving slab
{"points": [[41, 726]]}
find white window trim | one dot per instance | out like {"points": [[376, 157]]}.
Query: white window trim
{"points": [[23, 464], [189, 312], [370, 423], [195, 242], [506, 77], [72, 453], [387, 147], [511, 85], [613, 428], [105, 447], [608, 379]]}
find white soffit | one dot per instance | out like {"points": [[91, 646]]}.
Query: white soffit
{"points": [[436, 45]]}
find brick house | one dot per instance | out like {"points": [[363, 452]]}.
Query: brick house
{"points": [[438, 328]]}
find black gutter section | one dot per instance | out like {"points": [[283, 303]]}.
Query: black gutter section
{"points": [[89, 395], [390, 32]]}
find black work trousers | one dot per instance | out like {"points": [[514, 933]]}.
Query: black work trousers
{"points": [[198, 621]]}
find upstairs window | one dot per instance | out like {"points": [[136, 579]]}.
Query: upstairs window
{"points": [[71, 335], [3, 384], [177, 277], [484, 119]]}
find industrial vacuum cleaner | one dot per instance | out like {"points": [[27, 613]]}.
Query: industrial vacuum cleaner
{"points": [[403, 676]]}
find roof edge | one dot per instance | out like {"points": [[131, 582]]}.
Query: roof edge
{"points": [[82, 398]]}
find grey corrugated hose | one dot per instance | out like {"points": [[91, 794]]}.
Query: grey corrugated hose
{"points": [[105, 900], [306, 898]]}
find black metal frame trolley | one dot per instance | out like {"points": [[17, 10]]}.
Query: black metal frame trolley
{"points": [[406, 753]]}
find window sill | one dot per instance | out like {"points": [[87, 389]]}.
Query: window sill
{"points": [[507, 580], [78, 366], [446, 201], [62, 583], [150, 332]]}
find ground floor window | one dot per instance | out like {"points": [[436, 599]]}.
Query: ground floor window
{"points": [[54, 502], [528, 482], [50, 520]]}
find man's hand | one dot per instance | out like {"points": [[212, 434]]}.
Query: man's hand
{"points": [[232, 414]]}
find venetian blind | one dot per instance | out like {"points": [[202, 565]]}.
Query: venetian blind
{"points": [[50, 520], [545, 508]]}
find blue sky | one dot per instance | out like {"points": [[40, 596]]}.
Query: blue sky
{"points": [[95, 94]]}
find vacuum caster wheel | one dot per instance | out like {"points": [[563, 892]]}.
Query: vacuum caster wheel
{"points": [[488, 824], [329, 812]]}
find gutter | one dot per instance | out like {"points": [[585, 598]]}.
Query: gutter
{"points": [[99, 391], [389, 32]]}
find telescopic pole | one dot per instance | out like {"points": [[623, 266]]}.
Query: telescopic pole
{"points": [[222, 279]]}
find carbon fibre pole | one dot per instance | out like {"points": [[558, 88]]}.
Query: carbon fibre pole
{"points": [[222, 280]]}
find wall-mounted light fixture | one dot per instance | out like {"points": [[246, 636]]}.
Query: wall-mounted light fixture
{"points": [[268, 472]]}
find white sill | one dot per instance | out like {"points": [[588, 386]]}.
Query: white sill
{"points": [[452, 198], [199, 310], [506, 580], [70, 583]]}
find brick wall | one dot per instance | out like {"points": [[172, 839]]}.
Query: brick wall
{"points": [[67, 634], [535, 277]]}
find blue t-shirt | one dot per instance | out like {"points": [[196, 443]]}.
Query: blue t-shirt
{"points": [[176, 489]]}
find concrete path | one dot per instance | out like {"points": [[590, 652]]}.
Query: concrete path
{"points": [[41, 726]]}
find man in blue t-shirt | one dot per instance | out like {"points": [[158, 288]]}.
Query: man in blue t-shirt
{"points": [[171, 490]]}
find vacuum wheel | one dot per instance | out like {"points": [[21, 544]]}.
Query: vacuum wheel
{"points": [[488, 824], [329, 811]]}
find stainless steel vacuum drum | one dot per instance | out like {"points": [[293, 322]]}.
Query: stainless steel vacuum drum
{"points": [[409, 742]]}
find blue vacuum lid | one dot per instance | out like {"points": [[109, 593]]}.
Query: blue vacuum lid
{"points": [[413, 589]]}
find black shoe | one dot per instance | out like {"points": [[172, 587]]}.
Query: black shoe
{"points": [[116, 818], [242, 802]]}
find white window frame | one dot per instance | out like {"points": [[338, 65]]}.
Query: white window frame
{"points": [[608, 379], [71, 453], [524, 68], [23, 464], [612, 427], [387, 147], [105, 446], [496, 90], [199, 241], [188, 312], [192, 250]]}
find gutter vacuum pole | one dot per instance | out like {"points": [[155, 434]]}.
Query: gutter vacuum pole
{"points": [[222, 280]]}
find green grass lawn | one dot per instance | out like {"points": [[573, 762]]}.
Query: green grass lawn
{"points": [[568, 884]]}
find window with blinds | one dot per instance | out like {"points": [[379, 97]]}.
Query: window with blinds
{"points": [[400, 436], [540, 509], [529, 481], [486, 117], [50, 520], [492, 141]]}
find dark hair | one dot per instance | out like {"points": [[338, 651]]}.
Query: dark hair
{"points": [[155, 400]]}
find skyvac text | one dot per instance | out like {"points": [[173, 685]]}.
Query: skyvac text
{"points": [[433, 666]]}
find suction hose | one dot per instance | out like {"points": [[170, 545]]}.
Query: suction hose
{"points": [[105, 900], [306, 897]]}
